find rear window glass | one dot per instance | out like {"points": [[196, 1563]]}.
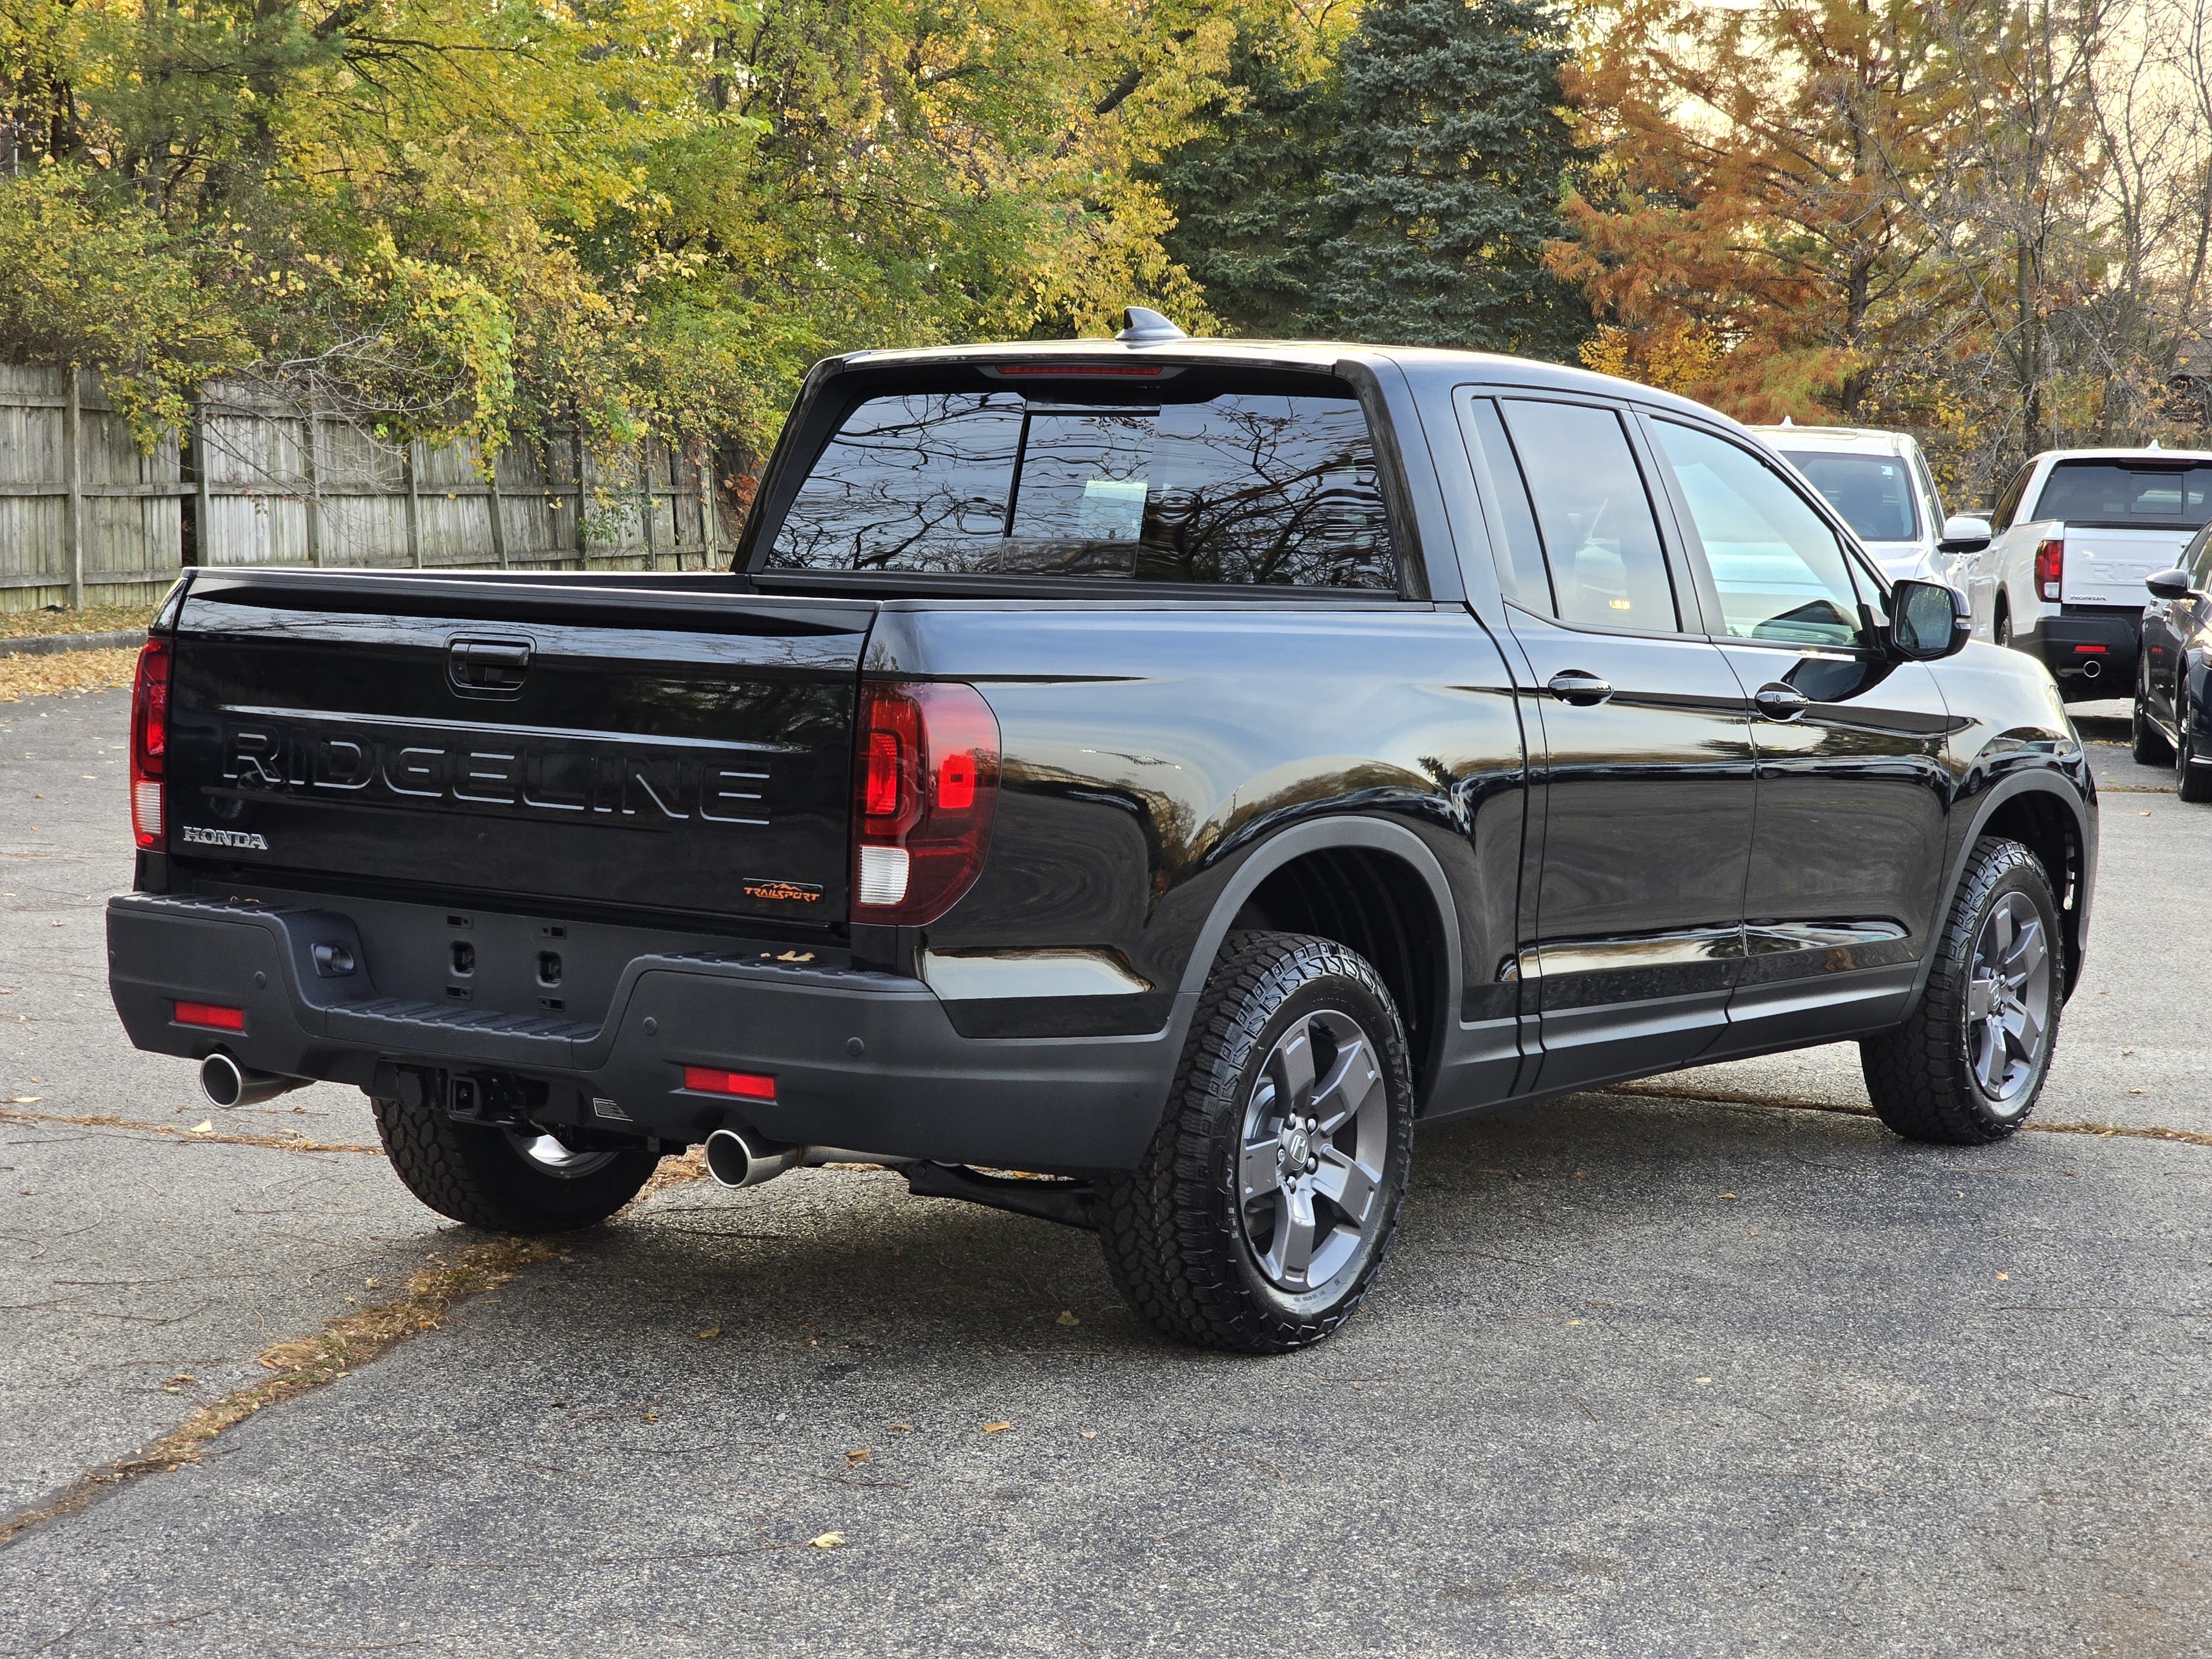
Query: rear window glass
{"points": [[1243, 488], [2105, 493], [1872, 492]]}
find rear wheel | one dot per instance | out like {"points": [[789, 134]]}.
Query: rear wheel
{"points": [[1268, 1199], [1967, 1067], [2002, 631], [508, 1182], [2151, 748]]}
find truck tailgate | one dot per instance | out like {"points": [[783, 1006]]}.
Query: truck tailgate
{"points": [[2107, 567], [653, 745]]}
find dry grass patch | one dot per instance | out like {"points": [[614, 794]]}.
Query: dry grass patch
{"points": [[93, 619], [66, 670]]}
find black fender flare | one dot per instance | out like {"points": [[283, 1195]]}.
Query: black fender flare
{"points": [[1348, 832], [2042, 781]]}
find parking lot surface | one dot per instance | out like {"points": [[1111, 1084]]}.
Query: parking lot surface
{"points": [[1698, 1371]]}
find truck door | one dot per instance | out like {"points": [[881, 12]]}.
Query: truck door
{"points": [[1639, 746], [1847, 866]]}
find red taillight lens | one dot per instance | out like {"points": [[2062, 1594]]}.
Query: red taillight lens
{"points": [[150, 742], [2049, 568], [214, 1016], [709, 1079], [926, 786]]}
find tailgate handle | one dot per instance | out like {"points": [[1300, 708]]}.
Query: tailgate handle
{"points": [[493, 665]]}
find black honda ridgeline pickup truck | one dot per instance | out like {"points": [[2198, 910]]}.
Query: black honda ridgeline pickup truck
{"points": [[1129, 782]]}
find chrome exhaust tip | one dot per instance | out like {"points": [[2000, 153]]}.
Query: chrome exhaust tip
{"points": [[227, 1084], [2092, 670], [747, 1160]]}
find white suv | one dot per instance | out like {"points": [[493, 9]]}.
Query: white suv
{"points": [[1880, 483]]}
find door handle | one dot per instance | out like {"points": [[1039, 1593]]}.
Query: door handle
{"points": [[488, 668], [1778, 702], [1574, 686]]}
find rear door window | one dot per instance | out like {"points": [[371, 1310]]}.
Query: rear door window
{"points": [[1243, 488], [1779, 569], [1605, 564], [2110, 494]]}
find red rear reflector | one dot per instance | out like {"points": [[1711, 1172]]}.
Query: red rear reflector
{"points": [[1078, 371], [212, 1015], [711, 1080], [2089, 648], [2049, 568]]}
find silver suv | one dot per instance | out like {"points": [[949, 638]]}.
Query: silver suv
{"points": [[1880, 483]]}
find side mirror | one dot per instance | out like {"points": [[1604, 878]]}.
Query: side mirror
{"points": [[1962, 534], [1928, 620], [2168, 584]]}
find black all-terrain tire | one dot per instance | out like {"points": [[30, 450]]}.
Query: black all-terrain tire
{"points": [[2001, 627], [480, 1178], [2192, 781], [1920, 1076], [1175, 1231], [2151, 748]]}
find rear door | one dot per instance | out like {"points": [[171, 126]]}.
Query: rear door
{"points": [[2169, 625], [1847, 865], [683, 752], [1644, 793]]}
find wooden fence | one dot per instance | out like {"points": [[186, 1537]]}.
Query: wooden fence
{"points": [[86, 518]]}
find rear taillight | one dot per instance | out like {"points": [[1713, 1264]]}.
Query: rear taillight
{"points": [[926, 781], [2049, 568], [150, 742]]}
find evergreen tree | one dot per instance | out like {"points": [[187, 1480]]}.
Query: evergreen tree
{"points": [[1452, 161], [1248, 193]]}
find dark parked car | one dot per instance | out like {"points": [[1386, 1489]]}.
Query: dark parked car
{"points": [[1172, 768], [2171, 688]]}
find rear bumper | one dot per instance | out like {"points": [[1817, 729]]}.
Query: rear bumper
{"points": [[864, 1060], [2090, 653]]}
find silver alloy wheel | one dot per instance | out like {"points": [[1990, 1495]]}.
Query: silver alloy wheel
{"points": [[2008, 992], [1309, 1161], [550, 1155]]}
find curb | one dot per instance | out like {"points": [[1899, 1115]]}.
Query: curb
{"points": [[47, 645]]}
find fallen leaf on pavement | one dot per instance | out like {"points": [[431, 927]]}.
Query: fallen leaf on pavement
{"points": [[710, 1334], [1067, 1317], [25, 1100], [204, 1126], [1090, 1434], [858, 1454], [828, 1540], [900, 1428], [2004, 1275], [992, 1428]]}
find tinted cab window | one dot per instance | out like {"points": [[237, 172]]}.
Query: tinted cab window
{"points": [[1780, 572], [1238, 487], [1582, 543], [2114, 495]]}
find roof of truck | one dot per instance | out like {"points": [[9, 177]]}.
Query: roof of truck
{"points": [[1318, 354], [1865, 439], [2137, 453]]}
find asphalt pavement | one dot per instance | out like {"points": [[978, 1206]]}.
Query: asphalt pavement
{"points": [[1644, 1375]]}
